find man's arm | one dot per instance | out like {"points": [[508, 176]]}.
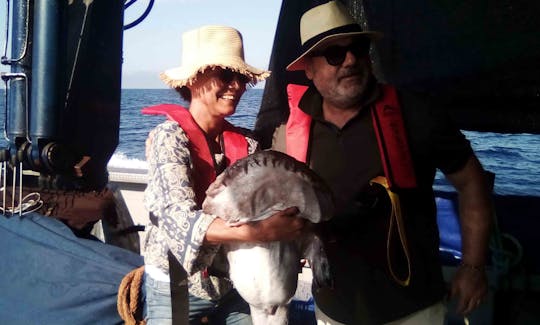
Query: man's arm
{"points": [[469, 285], [281, 226]]}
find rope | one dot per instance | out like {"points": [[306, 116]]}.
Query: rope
{"points": [[129, 296], [397, 219]]}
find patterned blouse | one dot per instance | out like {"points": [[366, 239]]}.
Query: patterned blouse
{"points": [[170, 197]]}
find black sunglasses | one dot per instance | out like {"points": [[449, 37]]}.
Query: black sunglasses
{"points": [[227, 76], [335, 55]]}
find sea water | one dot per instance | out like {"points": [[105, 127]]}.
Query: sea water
{"points": [[514, 158]]}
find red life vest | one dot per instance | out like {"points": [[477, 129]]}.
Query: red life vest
{"points": [[389, 130], [235, 144]]}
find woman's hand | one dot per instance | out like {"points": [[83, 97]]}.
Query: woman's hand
{"points": [[281, 226]]}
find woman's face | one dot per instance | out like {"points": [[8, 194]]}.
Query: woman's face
{"points": [[219, 90]]}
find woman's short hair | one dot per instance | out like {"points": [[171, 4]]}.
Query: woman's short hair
{"points": [[184, 92]]}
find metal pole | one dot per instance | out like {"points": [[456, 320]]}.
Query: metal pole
{"points": [[20, 61], [46, 61]]}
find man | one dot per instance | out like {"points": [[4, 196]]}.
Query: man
{"points": [[383, 241]]}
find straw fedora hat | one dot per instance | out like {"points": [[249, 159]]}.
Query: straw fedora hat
{"points": [[324, 22], [209, 47]]}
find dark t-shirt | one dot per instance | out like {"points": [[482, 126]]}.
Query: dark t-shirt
{"points": [[348, 158]]}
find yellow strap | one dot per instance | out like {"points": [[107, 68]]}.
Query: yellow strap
{"points": [[397, 218]]}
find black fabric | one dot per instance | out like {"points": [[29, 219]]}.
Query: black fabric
{"points": [[479, 58], [352, 28], [348, 158], [179, 292], [334, 151]]}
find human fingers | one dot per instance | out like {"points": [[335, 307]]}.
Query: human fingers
{"points": [[459, 294], [466, 300], [469, 288], [468, 303], [281, 226], [471, 305], [461, 305], [290, 211], [290, 226]]}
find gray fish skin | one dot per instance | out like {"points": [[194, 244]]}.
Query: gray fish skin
{"points": [[254, 188], [264, 183]]}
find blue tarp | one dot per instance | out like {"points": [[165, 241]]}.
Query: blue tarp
{"points": [[49, 276], [449, 228]]}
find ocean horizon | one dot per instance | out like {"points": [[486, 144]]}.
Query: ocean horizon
{"points": [[514, 158]]}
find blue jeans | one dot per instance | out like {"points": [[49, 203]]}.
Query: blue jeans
{"points": [[157, 308], [231, 309]]}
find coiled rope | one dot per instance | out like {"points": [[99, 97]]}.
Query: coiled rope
{"points": [[129, 293]]}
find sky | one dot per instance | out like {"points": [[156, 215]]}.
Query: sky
{"points": [[154, 45]]}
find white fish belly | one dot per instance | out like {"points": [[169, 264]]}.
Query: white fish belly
{"points": [[265, 275]]}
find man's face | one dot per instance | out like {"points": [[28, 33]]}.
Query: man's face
{"points": [[340, 69]]}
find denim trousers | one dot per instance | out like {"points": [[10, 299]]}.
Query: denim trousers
{"points": [[231, 309]]}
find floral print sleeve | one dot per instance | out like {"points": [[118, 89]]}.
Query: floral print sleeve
{"points": [[170, 197]]}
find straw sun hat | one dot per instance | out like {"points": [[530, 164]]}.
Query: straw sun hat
{"points": [[324, 22], [210, 47]]}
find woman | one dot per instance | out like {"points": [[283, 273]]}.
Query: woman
{"points": [[184, 155]]}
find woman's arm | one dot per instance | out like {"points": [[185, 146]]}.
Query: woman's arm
{"points": [[171, 198]]}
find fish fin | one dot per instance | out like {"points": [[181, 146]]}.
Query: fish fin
{"points": [[318, 261]]}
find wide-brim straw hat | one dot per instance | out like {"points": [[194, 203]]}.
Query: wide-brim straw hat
{"points": [[209, 47], [325, 22]]}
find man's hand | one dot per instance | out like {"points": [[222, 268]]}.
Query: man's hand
{"points": [[281, 226], [469, 287]]}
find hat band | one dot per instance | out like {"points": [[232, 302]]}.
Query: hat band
{"points": [[351, 28]]}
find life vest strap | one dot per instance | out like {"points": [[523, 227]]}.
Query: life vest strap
{"points": [[298, 125], [396, 219], [235, 145], [389, 131], [392, 141], [393, 148]]}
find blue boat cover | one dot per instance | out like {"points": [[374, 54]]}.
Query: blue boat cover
{"points": [[49, 276], [449, 229]]}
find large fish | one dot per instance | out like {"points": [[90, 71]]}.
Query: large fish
{"points": [[254, 188]]}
